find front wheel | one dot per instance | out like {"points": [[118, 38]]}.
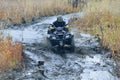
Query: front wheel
{"points": [[60, 50]]}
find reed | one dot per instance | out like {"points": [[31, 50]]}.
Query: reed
{"points": [[10, 53], [18, 10], [102, 19]]}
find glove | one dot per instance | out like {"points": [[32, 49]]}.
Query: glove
{"points": [[67, 27], [51, 28]]}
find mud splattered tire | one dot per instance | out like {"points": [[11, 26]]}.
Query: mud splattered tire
{"points": [[72, 49]]}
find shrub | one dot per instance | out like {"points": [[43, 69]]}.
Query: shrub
{"points": [[10, 53]]}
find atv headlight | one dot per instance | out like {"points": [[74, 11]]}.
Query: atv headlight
{"points": [[53, 37], [51, 28], [67, 36]]}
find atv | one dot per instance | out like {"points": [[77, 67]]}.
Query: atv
{"points": [[60, 40]]}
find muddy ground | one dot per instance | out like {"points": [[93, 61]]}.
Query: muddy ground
{"points": [[89, 61]]}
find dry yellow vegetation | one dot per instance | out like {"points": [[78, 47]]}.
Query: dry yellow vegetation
{"points": [[14, 11], [102, 18], [10, 53]]}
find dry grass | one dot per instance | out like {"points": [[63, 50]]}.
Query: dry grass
{"points": [[10, 53], [15, 11], [102, 18], [106, 14]]}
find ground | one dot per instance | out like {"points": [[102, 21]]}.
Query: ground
{"points": [[88, 62]]}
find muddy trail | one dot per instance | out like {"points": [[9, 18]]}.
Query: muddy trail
{"points": [[88, 62]]}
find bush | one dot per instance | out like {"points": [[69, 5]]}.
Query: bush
{"points": [[10, 53]]}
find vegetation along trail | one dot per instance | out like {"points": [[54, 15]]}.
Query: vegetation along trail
{"points": [[88, 62]]}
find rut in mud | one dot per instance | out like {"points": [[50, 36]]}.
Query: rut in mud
{"points": [[88, 62]]}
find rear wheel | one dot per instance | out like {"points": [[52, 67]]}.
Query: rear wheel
{"points": [[72, 49]]}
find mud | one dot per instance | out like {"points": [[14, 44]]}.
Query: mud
{"points": [[88, 62]]}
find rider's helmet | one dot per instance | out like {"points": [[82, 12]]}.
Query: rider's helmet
{"points": [[60, 19]]}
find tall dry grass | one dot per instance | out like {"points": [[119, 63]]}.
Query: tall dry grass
{"points": [[10, 53], [17, 10], [102, 18], [103, 14]]}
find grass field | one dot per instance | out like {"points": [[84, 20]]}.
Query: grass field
{"points": [[102, 19], [17, 11]]}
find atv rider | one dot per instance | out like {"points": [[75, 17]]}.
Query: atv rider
{"points": [[58, 23]]}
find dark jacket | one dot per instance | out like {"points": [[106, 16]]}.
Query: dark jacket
{"points": [[59, 24]]}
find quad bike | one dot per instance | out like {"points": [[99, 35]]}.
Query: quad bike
{"points": [[60, 40]]}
